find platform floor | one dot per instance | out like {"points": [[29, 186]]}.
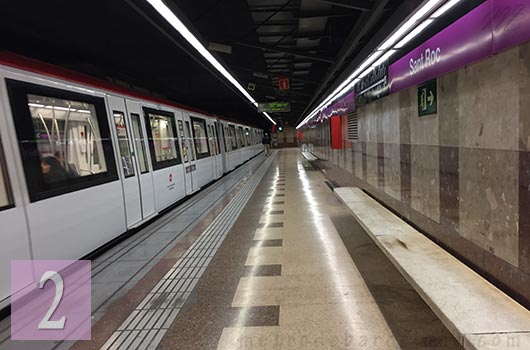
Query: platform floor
{"points": [[267, 258]]}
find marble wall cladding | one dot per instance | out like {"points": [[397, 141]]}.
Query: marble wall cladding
{"points": [[488, 99], [524, 97], [372, 174], [364, 161], [448, 110], [392, 170], [450, 188], [347, 160], [405, 178], [489, 201], [358, 159], [405, 113], [425, 181], [390, 119], [524, 211]]}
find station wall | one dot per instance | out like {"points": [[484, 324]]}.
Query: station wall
{"points": [[462, 175]]}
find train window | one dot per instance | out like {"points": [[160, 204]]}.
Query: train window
{"points": [[139, 140], [247, 136], [163, 140], [233, 139], [213, 144], [189, 141], [240, 137], [64, 139], [6, 199], [200, 136], [183, 142], [217, 140], [123, 144], [226, 136]]}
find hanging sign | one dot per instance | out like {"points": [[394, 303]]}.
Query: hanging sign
{"points": [[274, 107]]}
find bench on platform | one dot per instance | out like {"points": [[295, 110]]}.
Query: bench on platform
{"points": [[476, 312], [309, 156]]}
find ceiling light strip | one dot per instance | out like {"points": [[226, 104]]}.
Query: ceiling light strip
{"points": [[172, 19]]}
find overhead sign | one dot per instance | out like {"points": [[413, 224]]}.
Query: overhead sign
{"points": [[488, 29], [274, 107], [427, 98], [283, 83], [373, 86]]}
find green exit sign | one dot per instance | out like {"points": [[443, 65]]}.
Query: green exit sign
{"points": [[274, 107], [427, 98]]}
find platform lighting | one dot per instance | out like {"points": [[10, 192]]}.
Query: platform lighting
{"points": [[382, 53], [172, 19]]}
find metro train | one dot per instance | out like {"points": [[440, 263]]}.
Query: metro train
{"points": [[83, 161]]}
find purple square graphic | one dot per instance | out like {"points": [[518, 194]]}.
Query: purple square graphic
{"points": [[31, 306]]}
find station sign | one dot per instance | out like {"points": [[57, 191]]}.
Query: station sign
{"points": [[373, 86], [488, 29], [427, 98], [274, 107]]}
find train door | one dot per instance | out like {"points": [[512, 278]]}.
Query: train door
{"points": [[219, 157], [126, 160], [186, 153], [141, 156], [222, 142], [189, 164], [14, 236], [214, 148]]}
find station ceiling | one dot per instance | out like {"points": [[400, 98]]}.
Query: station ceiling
{"points": [[310, 42]]}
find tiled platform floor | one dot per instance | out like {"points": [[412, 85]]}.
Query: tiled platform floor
{"points": [[297, 272]]}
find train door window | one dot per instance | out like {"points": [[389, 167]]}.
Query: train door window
{"points": [[123, 144], [6, 198], [247, 136], [217, 140], [240, 137], [201, 138], [212, 140], [64, 139], [140, 142], [163, 138], [233, 139], [183, 142], [188, 136], [226, 136]]}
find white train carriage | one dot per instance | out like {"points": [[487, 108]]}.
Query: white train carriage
{"points": [[82, 161]]}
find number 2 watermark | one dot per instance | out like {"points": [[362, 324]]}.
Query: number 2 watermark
{"points": [[50, 300]]}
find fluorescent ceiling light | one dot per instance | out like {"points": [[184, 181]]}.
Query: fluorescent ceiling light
{"points": [[431, 4], [411, 22], [169, 16], [446, 7], [383, 58], [414, 33]]}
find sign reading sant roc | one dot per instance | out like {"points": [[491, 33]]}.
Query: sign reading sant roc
{"points": [[427, 98], [274, 107]]}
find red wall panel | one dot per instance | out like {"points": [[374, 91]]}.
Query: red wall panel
{"points": [[336, 132]]}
